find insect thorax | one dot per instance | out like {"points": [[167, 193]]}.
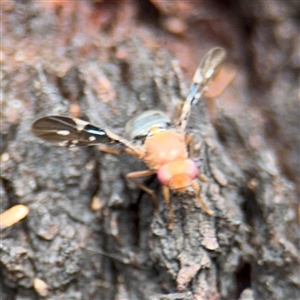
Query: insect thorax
{"points": [[164, 147]]}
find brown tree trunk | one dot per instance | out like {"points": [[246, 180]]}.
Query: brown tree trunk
{"points": [[106, 61]]}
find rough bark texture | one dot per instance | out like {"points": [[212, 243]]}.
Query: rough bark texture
{"points": [[111, 60]]}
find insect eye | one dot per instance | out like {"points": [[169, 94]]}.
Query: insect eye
{"points": [[164, 175], [191, 168]]}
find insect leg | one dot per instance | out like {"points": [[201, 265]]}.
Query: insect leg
{"points": [[177, 113], [138, 174], [108, 150], [189, 140], [130, 148], [137, 152], [166, 195], [150, 192], [197, 189], [202, 177]]}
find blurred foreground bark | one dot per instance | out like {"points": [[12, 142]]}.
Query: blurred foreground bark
{"points": [[96, 61]]}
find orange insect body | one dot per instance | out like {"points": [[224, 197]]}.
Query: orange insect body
{"points": [[162, 147], [167, 155]]}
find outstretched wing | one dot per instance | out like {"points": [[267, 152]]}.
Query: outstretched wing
{"points": [[71, 132], [205, 73]]}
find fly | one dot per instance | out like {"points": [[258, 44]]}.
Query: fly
{"points": [[154, 139]]}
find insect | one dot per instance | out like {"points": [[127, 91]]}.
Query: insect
{"points": [[153, 138]]}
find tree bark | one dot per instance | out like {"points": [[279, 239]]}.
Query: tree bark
{"points": [[90, 59]]}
